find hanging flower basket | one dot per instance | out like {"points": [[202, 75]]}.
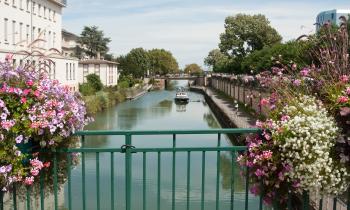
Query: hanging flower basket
{"points": [[36, 113]]}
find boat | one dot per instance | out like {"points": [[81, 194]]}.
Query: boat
{"points": [[181, 96]]}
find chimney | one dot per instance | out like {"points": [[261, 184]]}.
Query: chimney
{"points": [[98, 55]]}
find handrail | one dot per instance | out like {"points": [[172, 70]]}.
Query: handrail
{"points": [[166, 132]]}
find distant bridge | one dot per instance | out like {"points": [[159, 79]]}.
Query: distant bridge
{"points": [[179, 77]]}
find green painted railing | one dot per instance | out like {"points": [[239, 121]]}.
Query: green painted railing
{"points": [[128, 149]]}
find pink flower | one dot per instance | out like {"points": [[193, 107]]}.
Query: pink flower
{"points": [[9, 57], [264, 102], [297, 82], [343, 99], [47, 164], [30, 83], [344, 78], [34, 172], [23, 100], [29, 180], [259, 173], [347, 90], [19, 139], [305, 72], [285, 118], [36, 163], [255, 190]]}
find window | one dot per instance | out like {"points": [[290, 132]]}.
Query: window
{"points": [[73, 71], [34, 7], [110, 72], [14, 32], [27, 6], [53, 41], [21, 32], [97, 69], [332, 16], [49, 14], [66, 71], [44, 12], [14, 3], [85, 71], [39, 10], [27, 34], [49, 40], [33, 33], [54, 16], [5, 30], [21, 4], [70, 72]]}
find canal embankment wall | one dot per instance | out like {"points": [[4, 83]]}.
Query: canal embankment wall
{"points": [[226, 112]]}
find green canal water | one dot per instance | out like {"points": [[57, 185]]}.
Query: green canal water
{"points": [[157, 111]]}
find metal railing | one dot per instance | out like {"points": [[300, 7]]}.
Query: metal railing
{"points": [[128, 150]]}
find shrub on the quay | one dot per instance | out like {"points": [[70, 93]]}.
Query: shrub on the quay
{"points": [[37, 113]]}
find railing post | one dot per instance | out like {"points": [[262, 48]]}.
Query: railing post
{"points": [[1, 200], [306, 201], [128, 172]]}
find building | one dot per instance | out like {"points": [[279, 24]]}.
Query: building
{"points": [[69, 44], [35, 26], [331, 16], [107, 70]]}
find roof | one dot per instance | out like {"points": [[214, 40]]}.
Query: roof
{"points": [[96, 61], [338, 11], [67, 33]]}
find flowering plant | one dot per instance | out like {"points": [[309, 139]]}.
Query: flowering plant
{"points": [[308, 128], [35, 113]]}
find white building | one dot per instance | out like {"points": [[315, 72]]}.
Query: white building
{"points": [[331, 16], [24, 22], [69, 43], [107, 70]]}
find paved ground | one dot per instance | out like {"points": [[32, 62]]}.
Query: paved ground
{"points": [[238, 117]]}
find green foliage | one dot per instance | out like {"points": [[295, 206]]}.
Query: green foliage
{"points": [[126, 81], [86, 89], [247, 33], [163, 62], [291, 52], [193, 69], [94, 41], [136, 63], [94, 81]]}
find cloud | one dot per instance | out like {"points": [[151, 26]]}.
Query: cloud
{"points": [[188, 29]]}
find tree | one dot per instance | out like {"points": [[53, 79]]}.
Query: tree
{"points": [[217, 60], [193, 69], [163, 62], [94, 81], [93, 41], [247, 33], [136, 63]]}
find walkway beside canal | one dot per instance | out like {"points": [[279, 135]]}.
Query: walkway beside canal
{"points": [[236, 117]]}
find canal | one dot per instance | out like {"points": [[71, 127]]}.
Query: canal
{"points": [[157, 111]]}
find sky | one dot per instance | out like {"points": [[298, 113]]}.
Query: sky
{"points": [[187, 28]]}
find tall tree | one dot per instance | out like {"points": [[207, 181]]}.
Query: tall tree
{"points": [[246, 33], [193, 69], [94, 41], [163, 62], [136, 63], [217, 60]]}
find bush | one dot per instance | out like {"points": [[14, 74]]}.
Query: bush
{"points": [[290, 52], [86, 89], [94, 81]]}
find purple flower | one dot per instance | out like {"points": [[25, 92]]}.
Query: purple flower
{"points": [[19, 139], [305, 72], [3, 116], [2, 169], [1, 137], [8, 168], [2, 103], [51, 142], [18, 153]]}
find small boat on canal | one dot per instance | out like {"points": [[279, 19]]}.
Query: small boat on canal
{"points": [[181, 96]]}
